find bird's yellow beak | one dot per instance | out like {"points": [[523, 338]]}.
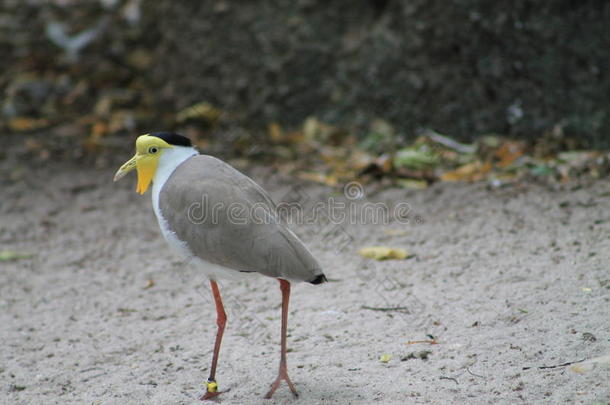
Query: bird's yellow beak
{"points": [[146, 167], [126, 168], [145, 161]]}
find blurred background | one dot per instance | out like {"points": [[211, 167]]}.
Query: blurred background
{"points": [[413, 92]]}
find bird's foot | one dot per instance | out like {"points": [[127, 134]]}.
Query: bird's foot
{"points": [[283, 375], [211, 391], [209, 395]]}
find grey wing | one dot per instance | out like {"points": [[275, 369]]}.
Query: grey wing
{"points": [[224, 217]]}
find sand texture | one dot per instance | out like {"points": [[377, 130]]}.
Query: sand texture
{"points": [[102, 312]]}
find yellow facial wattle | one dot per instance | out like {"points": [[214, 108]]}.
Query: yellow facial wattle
{"points": [[146, 167], [145, 161]]}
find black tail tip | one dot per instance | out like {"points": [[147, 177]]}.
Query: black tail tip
{"points": [[319, 279]]}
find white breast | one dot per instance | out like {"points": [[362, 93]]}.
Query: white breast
{"points": [[168, 161]]}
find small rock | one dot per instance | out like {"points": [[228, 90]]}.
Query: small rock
{"points": [[423, 355]]}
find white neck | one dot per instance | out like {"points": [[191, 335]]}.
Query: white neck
{"points": [[168, 161]]}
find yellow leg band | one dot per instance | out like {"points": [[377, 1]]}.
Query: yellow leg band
{"points": [[211, 386]]}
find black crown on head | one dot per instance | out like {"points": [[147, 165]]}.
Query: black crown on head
{"points": [[173, 138]]}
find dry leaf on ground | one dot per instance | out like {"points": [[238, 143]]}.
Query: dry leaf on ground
{"points": [[469, 172], [9, 256], [383, 253]]}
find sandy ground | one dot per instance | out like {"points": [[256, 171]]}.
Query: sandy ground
{"points": [[104, 313]]}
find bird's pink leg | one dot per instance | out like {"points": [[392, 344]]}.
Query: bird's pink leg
{"points": [[221, 320], [283, 374]]}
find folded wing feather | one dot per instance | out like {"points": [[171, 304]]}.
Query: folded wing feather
{"points": [[224, 217]]}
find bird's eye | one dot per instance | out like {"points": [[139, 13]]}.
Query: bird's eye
{"points": [[153, 149]]}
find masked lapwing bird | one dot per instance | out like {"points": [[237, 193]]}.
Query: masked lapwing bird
{"points": [[225, 222]]}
